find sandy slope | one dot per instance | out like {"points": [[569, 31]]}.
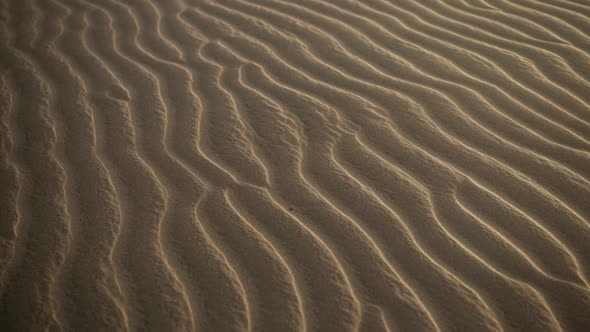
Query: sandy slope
{"points": [[310, 165]]}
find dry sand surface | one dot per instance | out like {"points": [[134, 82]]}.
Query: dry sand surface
{"points": [[308, 165]]}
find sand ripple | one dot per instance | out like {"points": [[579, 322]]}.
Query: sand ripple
{"points": [[275, 165]]}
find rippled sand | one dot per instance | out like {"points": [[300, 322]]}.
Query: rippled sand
{"points": [[309, 165]]}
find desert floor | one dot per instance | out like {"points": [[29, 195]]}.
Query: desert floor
{"points": [[308, 165]]}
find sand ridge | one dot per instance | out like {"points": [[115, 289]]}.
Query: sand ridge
{"points": [[274, 165]]}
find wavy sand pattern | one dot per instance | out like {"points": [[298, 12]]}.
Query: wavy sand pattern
{"points": [[311, 165]]}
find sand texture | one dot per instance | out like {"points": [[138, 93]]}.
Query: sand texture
{"points": [[295, 165]]}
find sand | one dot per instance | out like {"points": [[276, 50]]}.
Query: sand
{"points": [[309, 165]]}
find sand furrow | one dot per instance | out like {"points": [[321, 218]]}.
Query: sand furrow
{"points": [[9, 175], [43, 231], [189, 95], [456, 47], [315, 151], [469, 268], [556, 292], [93, 210], [311, 142], [273, 301], [270, 165], [178, 184], [339, 12], [572, 17], [580, 8], [558, 263], [179, 223], [11, 140], [511, 27], [463, 150], [559, 26], [323, 175], [504, 77], [516, 25], [262, 134], [321, 314], [133, 176], [532, 9], [495, 109], [510, 42], [310, 259], [233, 139], [484, 175], [150, 37], [544, 62], [463, 131]]}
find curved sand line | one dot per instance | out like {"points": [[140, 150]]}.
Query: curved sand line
{"points": [[270, 165]]}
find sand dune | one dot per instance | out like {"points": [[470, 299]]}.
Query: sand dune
{"points": [[312, 165]]}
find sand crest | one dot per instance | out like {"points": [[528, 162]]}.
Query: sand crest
{"points": [[310, 165]]}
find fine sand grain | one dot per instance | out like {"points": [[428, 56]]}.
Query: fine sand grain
{"points": [[309, 165]]}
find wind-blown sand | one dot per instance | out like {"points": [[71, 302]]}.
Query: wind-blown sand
{"points": [[309, 165]]}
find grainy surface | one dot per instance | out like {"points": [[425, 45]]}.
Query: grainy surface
{"points": [[275, 165]]}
